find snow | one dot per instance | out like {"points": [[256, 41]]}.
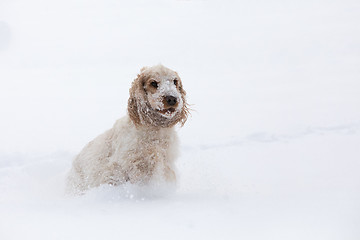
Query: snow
{"points": [[271, 150]]}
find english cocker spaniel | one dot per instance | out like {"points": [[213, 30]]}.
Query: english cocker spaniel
{"points": [[141, 147]]}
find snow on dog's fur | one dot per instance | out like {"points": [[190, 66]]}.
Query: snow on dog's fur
{"points": [[142, 146]]}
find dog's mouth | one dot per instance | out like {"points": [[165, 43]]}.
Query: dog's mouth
{"points": [[167, 112]]}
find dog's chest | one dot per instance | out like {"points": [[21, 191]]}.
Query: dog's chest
{"points": [[151, 148], [143, 155]]}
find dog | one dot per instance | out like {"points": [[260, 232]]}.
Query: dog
{"points": [[142, 146]]}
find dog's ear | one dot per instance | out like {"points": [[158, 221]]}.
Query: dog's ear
{"points": [[136, 98], [133, 110], [185, 109], [181, 89]]}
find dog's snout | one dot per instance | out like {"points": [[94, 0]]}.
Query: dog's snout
{"points": [[170, 100]]}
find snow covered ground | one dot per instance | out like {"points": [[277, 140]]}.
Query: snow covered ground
{"points": [[272, 150]]}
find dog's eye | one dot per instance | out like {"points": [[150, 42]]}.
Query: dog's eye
{"points": [[175, 82], [154, 84]]}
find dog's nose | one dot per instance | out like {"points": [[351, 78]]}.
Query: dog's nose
{"points": [[171, 100]]}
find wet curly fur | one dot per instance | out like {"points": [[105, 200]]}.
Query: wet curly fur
{"points": [[142, 146]]}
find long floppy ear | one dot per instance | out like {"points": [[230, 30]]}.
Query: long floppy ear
{"points": [[185, 109], [136, 97], [133, 110]]}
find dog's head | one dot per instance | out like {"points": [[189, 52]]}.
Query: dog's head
{"points": [[157, 98]]}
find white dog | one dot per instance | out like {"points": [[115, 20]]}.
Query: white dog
{"points": [[142, 146]]}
